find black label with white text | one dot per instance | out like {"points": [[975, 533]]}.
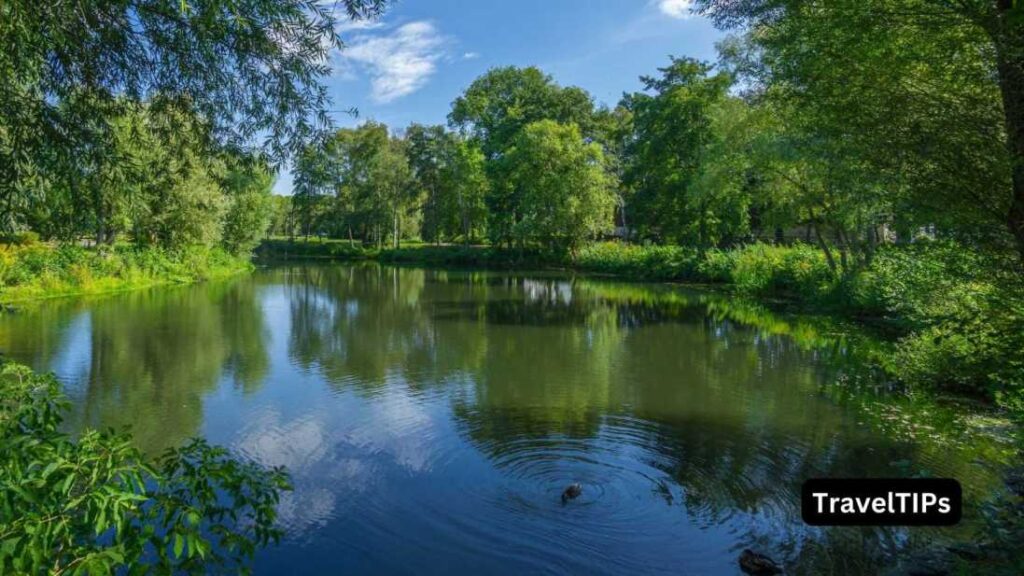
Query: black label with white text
{"points": [[881, 502]]}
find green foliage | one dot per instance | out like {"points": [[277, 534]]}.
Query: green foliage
{"points": [[493, 112], [463, 205], [429, 150], [247, 68], [43, 271], [248, 186], [903, 111], [563, 192], [642, 262], [500, 103], [963, 315], [25, 238], [95, 505], [280, 249], [794, 271], [358, 183], [672, 131]]}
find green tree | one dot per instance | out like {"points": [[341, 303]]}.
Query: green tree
{"points": [[494, 109], [497, 105], [314, 183], [282, 221], [672, 129], [928, 95], [361, 181], [565, 192], [183, 200], [463, 202], [430, 150], [247, 183], [253, 67]]}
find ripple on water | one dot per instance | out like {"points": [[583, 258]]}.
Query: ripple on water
{"points": [[629, 496]]}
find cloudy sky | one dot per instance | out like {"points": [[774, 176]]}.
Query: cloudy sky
{"points": [[410, 65]]}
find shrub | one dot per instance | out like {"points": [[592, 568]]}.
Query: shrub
{"points": [[25, 238], [644, 262], [962, 315], [717, 266], [921, 283], [42, 270], [95, 505], [795, 271]]}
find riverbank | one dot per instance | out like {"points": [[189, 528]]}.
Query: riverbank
{"points": [[957, 317], [39, 270]]}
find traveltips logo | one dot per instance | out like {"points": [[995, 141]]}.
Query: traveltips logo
{"points": [[881, 502]]}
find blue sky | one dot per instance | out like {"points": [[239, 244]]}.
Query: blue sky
{"points": [[410, 65]]}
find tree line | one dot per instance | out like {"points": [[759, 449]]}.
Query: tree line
{"points": [[844, 125], [830, 125]]}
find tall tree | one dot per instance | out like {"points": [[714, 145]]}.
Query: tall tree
{"points": [[504, 100], [930, 93], [430, 149], [495, 108], [463, 203], [672, 129], [249, 67], [247, 181], [565, 191]]}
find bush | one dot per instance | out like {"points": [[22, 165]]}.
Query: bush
{"points": [[717, 266], [95, 505], [42, 270], [642, 262], [26, 238], [962, 315], [793, 271], [921, 283]]}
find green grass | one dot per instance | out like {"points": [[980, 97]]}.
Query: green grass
{"points": [[37, 270]]}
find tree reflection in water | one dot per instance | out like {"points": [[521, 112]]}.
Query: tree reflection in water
{"points": [[455, 406]]}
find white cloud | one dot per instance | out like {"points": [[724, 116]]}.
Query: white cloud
{"points": [[348, 25], [470, 55], [676, 8], [399, 62]]}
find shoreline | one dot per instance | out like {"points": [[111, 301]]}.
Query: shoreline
{"points": [[40, 272]]}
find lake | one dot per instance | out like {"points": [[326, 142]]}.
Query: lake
{"points": [[431, 419]]}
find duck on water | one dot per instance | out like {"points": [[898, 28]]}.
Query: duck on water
{"points": [[758, 564], [572, 492]]}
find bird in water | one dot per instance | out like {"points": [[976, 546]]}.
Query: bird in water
{"points": [[758, 564], [570, 493]]}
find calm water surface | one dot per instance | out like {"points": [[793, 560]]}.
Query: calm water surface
{"points": [[431, 419]]}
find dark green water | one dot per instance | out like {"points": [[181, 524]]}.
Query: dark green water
{"points": [[431, 419]]}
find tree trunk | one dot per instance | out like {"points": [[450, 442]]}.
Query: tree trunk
{"points": [[844, 247], [625, 223], [821, 242], [703, 228], [1008, 38], [396, 229]]}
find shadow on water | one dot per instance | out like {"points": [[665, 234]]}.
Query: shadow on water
{"points": [[432, 418]]}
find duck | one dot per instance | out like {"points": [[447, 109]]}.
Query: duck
{"points": [[758, 564], [571, 492]]}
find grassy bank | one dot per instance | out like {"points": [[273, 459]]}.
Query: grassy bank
{"points": [[39, 270], [958, 318]]}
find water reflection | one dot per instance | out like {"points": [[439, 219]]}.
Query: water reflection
{"points": [[431, 418]]}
